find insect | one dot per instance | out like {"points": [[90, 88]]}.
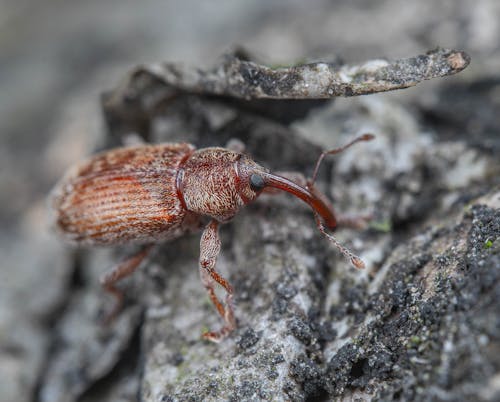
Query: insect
{"points": [[147, 194]]}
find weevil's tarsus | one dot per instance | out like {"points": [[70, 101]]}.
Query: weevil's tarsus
{"points": [[363, 137], [122, 270], [210, 245]]}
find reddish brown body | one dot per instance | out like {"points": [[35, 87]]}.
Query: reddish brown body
{"points": [[151, 193], [128, 195]]}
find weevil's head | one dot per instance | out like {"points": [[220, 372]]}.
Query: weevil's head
{"points": [[218, 182]]}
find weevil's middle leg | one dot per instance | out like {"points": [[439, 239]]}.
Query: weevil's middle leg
{"points": [[209, 250], [122, 270]]}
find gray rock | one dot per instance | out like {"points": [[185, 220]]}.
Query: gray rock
{"points": [[419, 323]]}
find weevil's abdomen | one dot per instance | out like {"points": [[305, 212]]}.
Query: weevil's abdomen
{"points": [[126, 195]]}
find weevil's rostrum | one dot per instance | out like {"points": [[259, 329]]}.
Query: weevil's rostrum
{"points": [[152, 193]]}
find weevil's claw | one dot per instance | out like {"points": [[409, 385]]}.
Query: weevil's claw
{"points": [[214, 337], [217, 336]]}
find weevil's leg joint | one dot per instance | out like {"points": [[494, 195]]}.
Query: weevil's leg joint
{"points": [[209, 250], [122, 270]]}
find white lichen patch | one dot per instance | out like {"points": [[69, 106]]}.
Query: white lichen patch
{"points": [[347, 73], [315, 79], [466, 165]]}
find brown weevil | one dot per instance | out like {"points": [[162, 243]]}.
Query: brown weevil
{"points": [[147, 194]]}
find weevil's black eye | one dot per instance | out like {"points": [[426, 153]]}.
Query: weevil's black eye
{"points": [[256, 182]]}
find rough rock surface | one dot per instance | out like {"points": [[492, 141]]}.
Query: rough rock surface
{"points": [[309, 326], [421, 322]]}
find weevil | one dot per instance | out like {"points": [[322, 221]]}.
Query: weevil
{"points": [[147, 194]]}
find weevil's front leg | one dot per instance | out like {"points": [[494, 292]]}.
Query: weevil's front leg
{"points": [[122, 270], [209, 250]]}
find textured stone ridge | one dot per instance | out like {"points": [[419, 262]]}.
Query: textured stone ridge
{"points": [[416, 337]]}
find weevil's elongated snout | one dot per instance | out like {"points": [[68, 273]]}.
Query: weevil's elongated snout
{"points": [[317, 204]]}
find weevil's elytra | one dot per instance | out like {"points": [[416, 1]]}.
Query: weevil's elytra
{"points": [[151, 193], [127, 195]]}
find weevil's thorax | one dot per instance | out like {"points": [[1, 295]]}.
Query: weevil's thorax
{"points": [[215, 182]]}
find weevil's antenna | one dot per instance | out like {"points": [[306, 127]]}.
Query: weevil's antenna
{"points": [[322, 211], [348, 254], [364, 137]]}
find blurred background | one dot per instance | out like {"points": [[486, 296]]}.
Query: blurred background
{"points": [[56, 58], [57, 54]]}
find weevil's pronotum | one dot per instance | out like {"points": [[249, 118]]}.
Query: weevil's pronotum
{"points": [[151, 193]]}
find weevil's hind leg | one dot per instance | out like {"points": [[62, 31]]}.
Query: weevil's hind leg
{"points": [[122, 270], [209, 250]]}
